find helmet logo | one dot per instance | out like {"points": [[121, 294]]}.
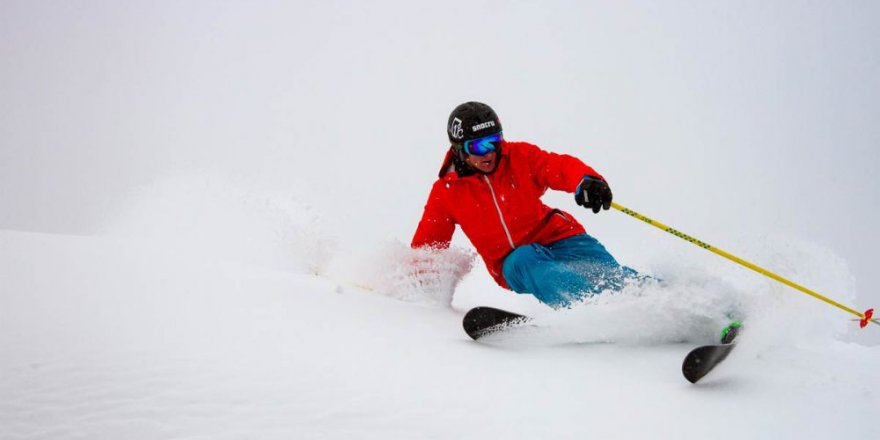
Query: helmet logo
{"points": [[455, 129], [486, 124]]}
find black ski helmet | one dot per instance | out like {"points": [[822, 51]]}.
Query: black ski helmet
{"points": [[471, 120]]}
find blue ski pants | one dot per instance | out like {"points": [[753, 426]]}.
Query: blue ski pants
{"points": [[564, 271]]}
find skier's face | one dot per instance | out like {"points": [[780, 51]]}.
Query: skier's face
{"points": [[484, 164]]}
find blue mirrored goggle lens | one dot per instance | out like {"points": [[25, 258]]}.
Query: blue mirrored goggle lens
{"points": [[482, 146]]}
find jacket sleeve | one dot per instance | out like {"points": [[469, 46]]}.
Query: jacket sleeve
{"points": [[557, 171], [437, 226]]}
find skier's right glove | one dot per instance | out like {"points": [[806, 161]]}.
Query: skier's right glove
{"points": [[593, 193]]}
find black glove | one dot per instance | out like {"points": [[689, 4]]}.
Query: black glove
{"points": [[593, 193]]}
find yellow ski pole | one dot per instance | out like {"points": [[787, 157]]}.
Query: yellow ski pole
{"points": [[864, 318]]}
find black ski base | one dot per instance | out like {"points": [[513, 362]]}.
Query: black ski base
{"points": [[701, 360], [483, 321]]}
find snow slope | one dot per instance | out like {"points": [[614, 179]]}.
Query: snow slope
{"points": [[108, 337]]}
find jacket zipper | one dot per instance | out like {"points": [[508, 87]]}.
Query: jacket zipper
{"points": [[500, 216]]}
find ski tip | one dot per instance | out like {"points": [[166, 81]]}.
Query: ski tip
{"points": [[482, 321], [702, 360]]}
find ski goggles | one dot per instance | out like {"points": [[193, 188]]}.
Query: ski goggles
{"points": [[482, 146]]}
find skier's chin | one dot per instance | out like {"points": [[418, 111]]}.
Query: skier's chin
{"points": [[483, 164], [487, 166]]}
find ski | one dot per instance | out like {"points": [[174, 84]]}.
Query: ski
{"points": [[483, 321], [701, 360], [480, 322]]}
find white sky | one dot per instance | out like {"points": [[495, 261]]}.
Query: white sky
{"points": [[723, 119]]}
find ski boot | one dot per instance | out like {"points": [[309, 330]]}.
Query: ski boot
{"points": [[729, 333]]}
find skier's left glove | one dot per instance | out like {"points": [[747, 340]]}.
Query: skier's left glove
{"points": [[593, 193]]}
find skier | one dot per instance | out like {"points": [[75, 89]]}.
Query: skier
{"points": [[492, 188]]}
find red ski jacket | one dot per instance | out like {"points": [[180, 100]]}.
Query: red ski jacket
{"points": [[502, 210]]}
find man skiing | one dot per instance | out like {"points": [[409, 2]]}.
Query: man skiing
{"points": [[492, 188]]}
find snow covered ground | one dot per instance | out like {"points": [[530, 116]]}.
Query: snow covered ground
{"points": [[112, 337]]}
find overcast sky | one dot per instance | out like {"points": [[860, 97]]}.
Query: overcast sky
{"points": [[723, 119]]}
